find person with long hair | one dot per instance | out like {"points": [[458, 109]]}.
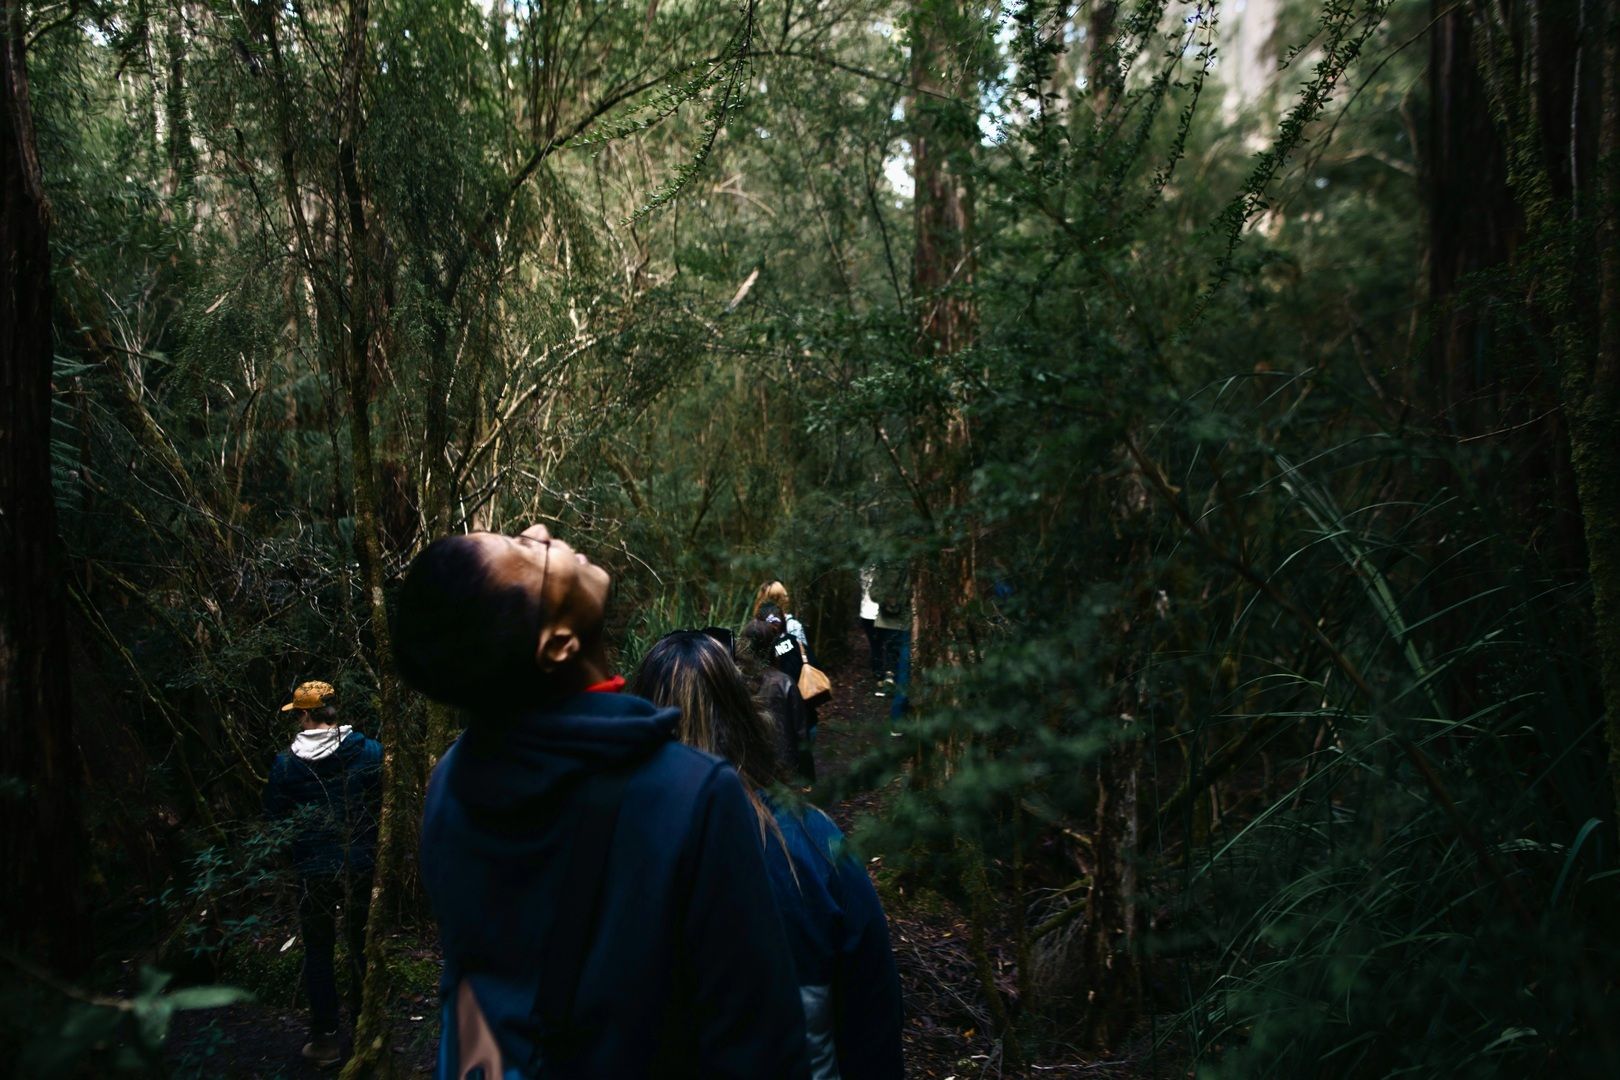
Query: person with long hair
{"points": [[774, 592], [777, 695], [834, 920], [603, 903], [789, 657]]}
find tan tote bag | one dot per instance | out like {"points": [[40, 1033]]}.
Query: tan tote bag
{"points": [[814, 686]]}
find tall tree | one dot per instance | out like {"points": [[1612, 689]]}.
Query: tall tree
{"points": [[1594, 394], [942, 111], [1550, 72], [40, 770]]}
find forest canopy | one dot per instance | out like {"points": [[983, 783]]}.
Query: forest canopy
{"points": [[1233, 391]]}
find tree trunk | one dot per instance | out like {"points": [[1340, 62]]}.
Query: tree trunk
{"points": [[373, 1054], [942, 274], [1095, 963], [182, 158], [42, 912], [1595, 429], [1474, 223], [1544, 65], [1108, 948]]}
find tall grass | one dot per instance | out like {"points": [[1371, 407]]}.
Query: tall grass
{"points": [[1426, 885], [681, 606]]}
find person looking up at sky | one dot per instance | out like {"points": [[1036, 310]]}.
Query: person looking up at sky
{"points": [[600, 889]]}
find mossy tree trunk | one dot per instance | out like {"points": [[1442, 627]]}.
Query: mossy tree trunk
{"points": [[1566, 177], [1594, 406], [373, 1055]]}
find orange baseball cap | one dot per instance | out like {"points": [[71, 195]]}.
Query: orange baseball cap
{"points": [[310, 695]]}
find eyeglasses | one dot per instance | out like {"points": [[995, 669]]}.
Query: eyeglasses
{"points": [[545, 567], [718, 633]]}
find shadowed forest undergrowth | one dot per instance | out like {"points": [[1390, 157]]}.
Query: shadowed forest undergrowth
{"points": [[1226, 396]]}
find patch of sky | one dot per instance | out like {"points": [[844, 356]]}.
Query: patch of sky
{"points": [[897, 171], [996, 116]]}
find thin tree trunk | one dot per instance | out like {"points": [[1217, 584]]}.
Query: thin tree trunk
{"points": [[182, 159], [1096, 964], [1595, 429], [42, 912], [373, 1055], [1108, 950]]}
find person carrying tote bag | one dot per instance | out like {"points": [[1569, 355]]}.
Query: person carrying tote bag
{"points": [[814, 686], [793, 660]]}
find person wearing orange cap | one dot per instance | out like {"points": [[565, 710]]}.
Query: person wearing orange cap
{"points": [[328, 784]]}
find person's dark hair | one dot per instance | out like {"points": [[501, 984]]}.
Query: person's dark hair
{"points": [[770, 613], [462, 639], [759, 641], [326, 714], [694, 673]]}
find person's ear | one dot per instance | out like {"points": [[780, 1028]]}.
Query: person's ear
{"points": [[557, 646]]}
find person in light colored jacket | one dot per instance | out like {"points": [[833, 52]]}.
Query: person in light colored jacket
{"points": [[869, 616], [774, 592]]}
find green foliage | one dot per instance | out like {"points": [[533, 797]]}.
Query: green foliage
{"points": [[108, 1036], [1210, 518]]}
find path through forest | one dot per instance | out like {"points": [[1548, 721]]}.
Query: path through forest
{"points": [[947, 1030]]}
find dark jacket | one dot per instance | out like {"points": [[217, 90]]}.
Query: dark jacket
{"points": [[332, 802], [786, 656], [687, 973], [840, 942], [781, 701]]}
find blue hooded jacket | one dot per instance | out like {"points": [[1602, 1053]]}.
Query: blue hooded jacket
{"points": [[333, 800], [688, 972], [840, 943]]}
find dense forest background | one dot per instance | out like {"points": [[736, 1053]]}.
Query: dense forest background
{"points": [[1237, 384]]}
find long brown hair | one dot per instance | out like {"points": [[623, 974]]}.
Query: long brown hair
{"points": [[691, 671], [772, 592]]}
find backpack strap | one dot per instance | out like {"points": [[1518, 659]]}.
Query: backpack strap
{"points": [[574, 922]]}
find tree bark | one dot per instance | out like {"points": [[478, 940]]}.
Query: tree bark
{"points": [[373, 1054], [942, 276], [1595, 428], [1109, 959], [1474, 223], [1543, 65], [182, 157], [42, 913]]}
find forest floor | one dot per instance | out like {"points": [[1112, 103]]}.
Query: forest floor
{"points": [[948, 1033]]}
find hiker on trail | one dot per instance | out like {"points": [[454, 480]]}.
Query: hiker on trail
{"points": [[834, 920], [602, 899], [891, 588], [777, 695], [328, 784], [789, 655], [774, 592], [869, 614]]}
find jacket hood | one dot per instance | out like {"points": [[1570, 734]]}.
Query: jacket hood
{"points": [[318, 743], [508, 764]]}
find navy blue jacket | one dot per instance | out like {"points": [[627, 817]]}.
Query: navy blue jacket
{"points": [[840, 943], [333, 802], [688, 973]]}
